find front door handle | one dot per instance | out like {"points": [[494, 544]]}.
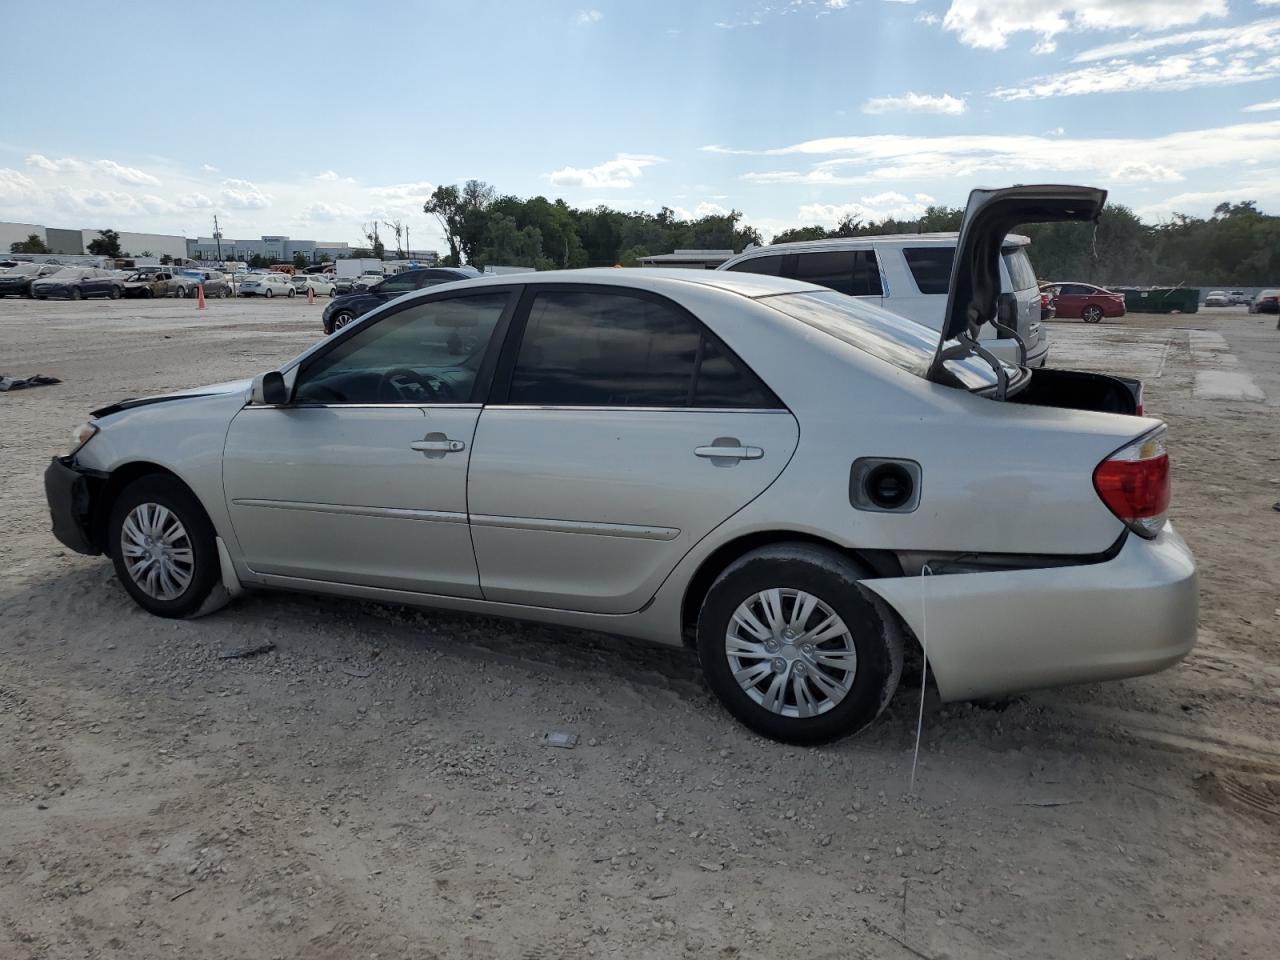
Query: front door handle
{"points": [[437, 443], [724, 450]]}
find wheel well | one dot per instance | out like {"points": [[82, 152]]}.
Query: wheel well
{"points": [[882, 563], [105, 491]]}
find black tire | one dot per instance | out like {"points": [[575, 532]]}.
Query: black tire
{"points": [[292, 291], [114, 293], [74, 293], [174, 496], [1091, 314], [269, 293], [831, 577], [340, 320]]}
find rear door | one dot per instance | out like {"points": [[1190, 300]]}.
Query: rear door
{"points": [[619, 433]]}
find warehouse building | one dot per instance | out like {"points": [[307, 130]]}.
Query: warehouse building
{"points": [[278, 248], [75, 242]]}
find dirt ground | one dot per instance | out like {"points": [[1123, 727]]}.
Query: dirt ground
{"points": [[377, 785]]}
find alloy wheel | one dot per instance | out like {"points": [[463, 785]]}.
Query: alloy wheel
{"points": [[791, 653], [157, 551], [341, 319]]}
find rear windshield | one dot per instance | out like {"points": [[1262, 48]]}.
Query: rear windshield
{"points": [[1021, 274], [886, 336]]}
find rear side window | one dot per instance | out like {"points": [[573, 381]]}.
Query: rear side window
{"points": [[931, 267], [833, 269], [769, 266], [1021, 274], [617, 350]]}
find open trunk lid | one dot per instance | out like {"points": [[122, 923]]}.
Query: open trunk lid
{"points": [[974, 293]]}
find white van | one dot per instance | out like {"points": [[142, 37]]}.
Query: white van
{"points": [[909, 275]]}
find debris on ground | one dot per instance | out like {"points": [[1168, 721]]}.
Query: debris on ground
{"points": [[560, 738], [242, 652], [15, 383]]}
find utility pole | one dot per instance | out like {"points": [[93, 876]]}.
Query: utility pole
{"points": [[217, 237], [408, 246]]}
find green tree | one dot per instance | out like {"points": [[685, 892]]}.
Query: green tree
{"points": [[299, 260], [33, 244], [107, 244], [258, 261], [166, 260]]}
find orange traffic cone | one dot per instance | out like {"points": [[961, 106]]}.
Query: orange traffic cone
{"points": [[200, 297], [311, 294]]}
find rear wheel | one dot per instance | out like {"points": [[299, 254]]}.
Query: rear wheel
{"points": [[114, 293], [292, 291], [163, 547], [1091, 314], [181, 293], [74, 293], [269, 294], [792, 647]]}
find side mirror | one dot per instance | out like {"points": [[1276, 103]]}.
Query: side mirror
{"points": [[269, 390]]}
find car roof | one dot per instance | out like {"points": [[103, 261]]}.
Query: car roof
{"points": [[938, 239], [656, 280]]}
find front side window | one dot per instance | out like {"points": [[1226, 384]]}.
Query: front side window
{"points": [[426, 353], [398, 284], [617, 350], [931, 267]]}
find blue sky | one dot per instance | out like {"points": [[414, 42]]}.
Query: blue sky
{"points": [[792, 111]]}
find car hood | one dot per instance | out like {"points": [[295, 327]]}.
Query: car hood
{"points": [[213, 389], [975, 279]]}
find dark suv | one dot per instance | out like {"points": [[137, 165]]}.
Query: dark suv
{"points": [[342, 310]]}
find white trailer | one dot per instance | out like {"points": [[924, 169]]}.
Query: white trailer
{"points": [[359, 266]]}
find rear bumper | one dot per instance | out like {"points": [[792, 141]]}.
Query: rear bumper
{"points": [[67, 491], [998, 633], [1007, 350]]}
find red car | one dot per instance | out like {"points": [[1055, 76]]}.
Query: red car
{"points": [[1085, 301]]}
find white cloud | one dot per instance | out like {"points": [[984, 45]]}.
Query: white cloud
{"points": [[1174, 72], [878, 207], [989, 25], [704, 209], [836, 4], [65, 165], [208, 169], [16, 188], [1258, 34], [928, 19], [328, 175], [1264, 188], [243, 195], [416, 193], [618, 173], [195, 201], [842, 161], [588, 17], [126, 174], [321, 212], [916, 103], [1262, 107]]}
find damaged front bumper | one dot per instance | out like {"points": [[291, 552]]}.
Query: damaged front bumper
{"points": [[67, 490]]}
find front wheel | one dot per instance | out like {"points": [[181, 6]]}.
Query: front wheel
{"points": [[74, 293], [163, 547], [269, 294], [342, 318], [292, 291], [1091, 314], [114, 293], [793, 648], [181, 293]]}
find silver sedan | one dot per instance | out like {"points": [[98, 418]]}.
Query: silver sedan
{"points": [[792, 481]]}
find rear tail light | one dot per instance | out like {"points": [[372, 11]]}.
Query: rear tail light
{"points": [[1134, 483]]}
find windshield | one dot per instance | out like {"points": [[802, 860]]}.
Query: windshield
{"points": [[886, 336]]}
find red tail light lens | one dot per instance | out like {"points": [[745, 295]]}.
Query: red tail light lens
{"points": [[1134, 483]]}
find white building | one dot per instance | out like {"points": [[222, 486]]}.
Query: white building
{"points": [[137, 244], [11, 233]]}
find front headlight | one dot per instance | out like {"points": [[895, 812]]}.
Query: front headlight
{"points": [[80, 436]]}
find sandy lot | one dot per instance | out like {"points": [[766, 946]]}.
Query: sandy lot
{"points": [[376, 786]]}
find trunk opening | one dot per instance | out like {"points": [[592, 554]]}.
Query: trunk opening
{"points": [[1078, 390]]}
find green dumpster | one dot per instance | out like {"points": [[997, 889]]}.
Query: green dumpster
{"points": [[1160, 299]]}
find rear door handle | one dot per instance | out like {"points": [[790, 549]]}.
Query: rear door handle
{"points": [[729, 453], [437, 443]]}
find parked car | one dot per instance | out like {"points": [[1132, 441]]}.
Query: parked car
{"points": [[1267, 301], [267, 285], [792, 477], [16, 280], [1217, 298], [344, 309], [317, 283], [1237, 297], [1048, 309], [216, 285], [77, 282], [909, 275], [343, 284], [1084, 301], [147, 283]]}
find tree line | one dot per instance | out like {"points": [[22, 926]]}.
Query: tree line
{"points": [[1238, 244]]}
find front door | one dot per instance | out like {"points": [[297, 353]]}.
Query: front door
{"points": [[362, 477], [619, 433]]}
